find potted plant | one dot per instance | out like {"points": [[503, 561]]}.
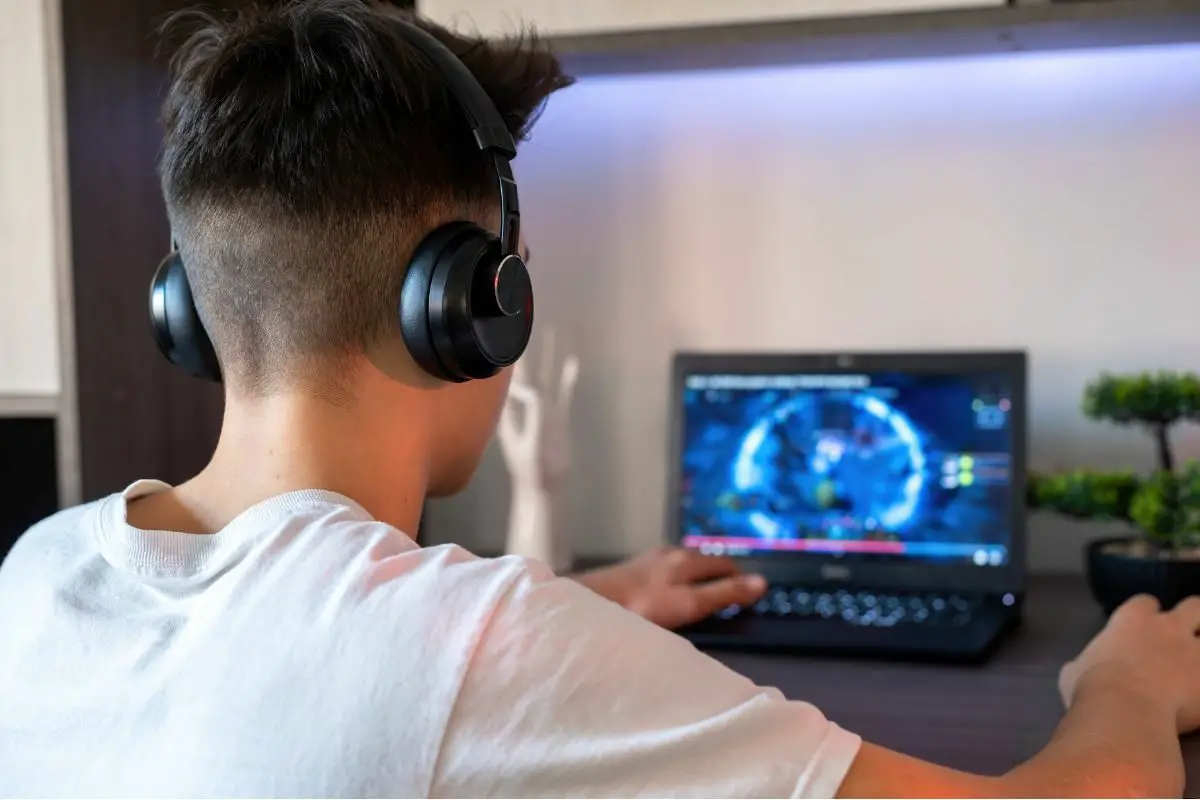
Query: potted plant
{"points": [[1161, 556]]}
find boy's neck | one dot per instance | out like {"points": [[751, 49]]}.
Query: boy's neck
{"points": [[376, 456]]}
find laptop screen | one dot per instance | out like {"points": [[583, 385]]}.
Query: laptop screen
{"points": [[867, 466]]}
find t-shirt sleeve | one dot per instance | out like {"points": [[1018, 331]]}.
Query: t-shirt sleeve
{"points": [[569, 695]]}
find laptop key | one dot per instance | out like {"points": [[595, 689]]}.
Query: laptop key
{"points": [[860, 608]]}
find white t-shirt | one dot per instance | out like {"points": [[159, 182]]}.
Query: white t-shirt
{"points": [[308, 650]]}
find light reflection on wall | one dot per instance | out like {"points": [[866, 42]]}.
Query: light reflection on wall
{"points": [[1045, 200], [835, 97]]}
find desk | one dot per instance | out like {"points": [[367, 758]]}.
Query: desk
{"points": [[983, 719]]}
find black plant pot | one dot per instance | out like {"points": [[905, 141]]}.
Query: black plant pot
{"points": [[1114, 577]]}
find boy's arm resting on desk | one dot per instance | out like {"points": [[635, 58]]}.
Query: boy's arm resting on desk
{"points": [[569, 695], [1089, 756], [1116, 738], [1130, 694], [1115, 741]]}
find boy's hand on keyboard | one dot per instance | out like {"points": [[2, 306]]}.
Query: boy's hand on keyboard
{"points": [[674, 587]]}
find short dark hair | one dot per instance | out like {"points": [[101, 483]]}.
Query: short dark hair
{"points": [[308, 147]]}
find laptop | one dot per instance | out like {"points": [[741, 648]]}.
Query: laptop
{"points": [[882, 495]]}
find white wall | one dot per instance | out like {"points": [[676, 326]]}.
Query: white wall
{"points": [[29, 343], [500, 17], [1041, 201]]}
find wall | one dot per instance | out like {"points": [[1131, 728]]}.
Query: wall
{"points": [[38, 412], [1044, 201], [29, 338]]}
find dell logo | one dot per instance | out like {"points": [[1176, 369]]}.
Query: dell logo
{"points": [[835, 572]]}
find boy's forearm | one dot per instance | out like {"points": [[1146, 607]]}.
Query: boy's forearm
{"points": [[1114, 742], [599, 581]]}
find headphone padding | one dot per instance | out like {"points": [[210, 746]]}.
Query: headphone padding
{"points": [[433, 252], [177, 327]]}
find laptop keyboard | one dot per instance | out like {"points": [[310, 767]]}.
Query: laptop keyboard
{"points": [[861, 608]]}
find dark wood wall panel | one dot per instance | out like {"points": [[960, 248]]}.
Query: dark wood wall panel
{"points": [[138, 416]]}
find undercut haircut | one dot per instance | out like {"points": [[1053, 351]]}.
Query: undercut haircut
{"points": [[308, 149]]}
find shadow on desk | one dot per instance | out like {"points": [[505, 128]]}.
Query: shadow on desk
{"points": [[984, 719]]}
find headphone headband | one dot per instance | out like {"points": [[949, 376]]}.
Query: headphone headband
{"points": [[487, 126]]}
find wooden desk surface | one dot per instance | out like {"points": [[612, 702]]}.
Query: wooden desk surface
{"points": [[983, 719]]}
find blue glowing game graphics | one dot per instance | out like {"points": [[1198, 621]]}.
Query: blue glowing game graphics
{"points": [[887, 465]]}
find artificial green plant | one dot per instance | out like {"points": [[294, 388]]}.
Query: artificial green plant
{"points": [[1163, 506]]}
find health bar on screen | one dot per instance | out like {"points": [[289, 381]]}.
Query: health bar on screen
{"points": [[839, 546]]}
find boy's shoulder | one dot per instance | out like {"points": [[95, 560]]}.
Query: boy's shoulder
{"points": [[338, 564], [311, 543], [57, 534]]}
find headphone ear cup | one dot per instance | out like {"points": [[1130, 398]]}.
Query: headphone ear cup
{"points": [[416, 325], [177, 327], [445, 317]]}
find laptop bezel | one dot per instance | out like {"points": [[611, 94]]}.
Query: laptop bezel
{"points": [[832, 570]]}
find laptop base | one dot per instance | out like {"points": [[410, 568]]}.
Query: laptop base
{"points": [[972, 643]]}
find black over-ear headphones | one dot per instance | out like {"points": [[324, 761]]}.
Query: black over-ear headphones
{"points": [[466, 306]]}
